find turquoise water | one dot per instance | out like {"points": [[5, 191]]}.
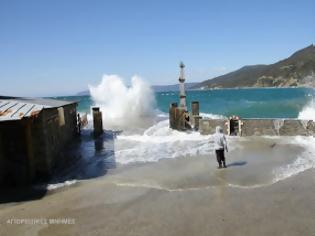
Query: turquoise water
{"points": [[247, 103]]}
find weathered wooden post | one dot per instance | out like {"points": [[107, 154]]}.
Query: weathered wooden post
{"points": [[195, 108], [172, 115], [195, 114], [180, 119], [97, 121]]}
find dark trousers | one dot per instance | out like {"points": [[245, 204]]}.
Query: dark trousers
{"points": [[220, 156]]}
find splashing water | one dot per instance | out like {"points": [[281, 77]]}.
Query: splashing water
{"points": [[132, 106], [124, 106], [303, 162], [158, 142], [308, 112]]}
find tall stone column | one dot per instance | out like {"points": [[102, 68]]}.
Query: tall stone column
{"points": [[182, 94]]}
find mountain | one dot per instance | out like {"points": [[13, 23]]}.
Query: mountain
{"points": [[156, 88], [297, 70], [83, 93]]}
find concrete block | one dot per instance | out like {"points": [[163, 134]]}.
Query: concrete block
{"points": [[208, 126]]}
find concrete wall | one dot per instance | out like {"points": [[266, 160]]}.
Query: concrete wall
{"points": [[207, 126], [258, 127]]}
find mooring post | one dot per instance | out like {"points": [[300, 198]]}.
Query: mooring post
{"points": [[195, 108], [172, 114], [180, 119], [97, 121], [195, 114]]}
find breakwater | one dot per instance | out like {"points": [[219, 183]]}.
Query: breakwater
{"points": [[259, 127]]}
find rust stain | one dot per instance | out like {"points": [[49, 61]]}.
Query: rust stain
{"points": [[21, 114], [35, 113], [4, 113]]}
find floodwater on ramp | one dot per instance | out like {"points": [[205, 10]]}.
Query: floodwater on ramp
{"points": [[161, 158]]}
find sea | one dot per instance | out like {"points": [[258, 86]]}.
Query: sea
{"points": [[135, 120], [246, 103]]}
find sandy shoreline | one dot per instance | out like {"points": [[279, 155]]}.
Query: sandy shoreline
{"points": [[182, 196]]}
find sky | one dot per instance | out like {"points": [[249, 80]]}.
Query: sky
{"points": [[58, 47]]}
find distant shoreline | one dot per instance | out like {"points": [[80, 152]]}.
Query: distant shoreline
{"points": [[282, 87], [209, 89]]}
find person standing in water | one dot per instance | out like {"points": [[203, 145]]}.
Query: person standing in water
{"points": [[220, 145]]}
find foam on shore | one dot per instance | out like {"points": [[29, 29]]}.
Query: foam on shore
{"points": [[159, 142], [146, 136], [305, 161], [308, 112]]}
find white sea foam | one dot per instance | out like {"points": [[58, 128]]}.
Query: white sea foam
{"points": [[308, 112], [123, 106], [161, 114], [212, 116], [61, 185], [159, 141], [202, 114], [305, 161]]}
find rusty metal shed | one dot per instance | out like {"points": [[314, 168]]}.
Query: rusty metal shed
{"points": [[13, 108], [33, 132]]}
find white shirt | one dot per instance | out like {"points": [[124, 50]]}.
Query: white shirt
{"points": [[219, 141]]}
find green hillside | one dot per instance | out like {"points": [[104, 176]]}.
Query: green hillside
{"points": [[297, 70]]}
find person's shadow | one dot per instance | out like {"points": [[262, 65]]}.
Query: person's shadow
{"points": [[237, 163]]}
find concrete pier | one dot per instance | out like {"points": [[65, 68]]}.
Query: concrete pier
{"points": [[97, 121]]}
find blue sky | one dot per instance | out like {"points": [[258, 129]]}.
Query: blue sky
{"points": [[58, 47]]}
